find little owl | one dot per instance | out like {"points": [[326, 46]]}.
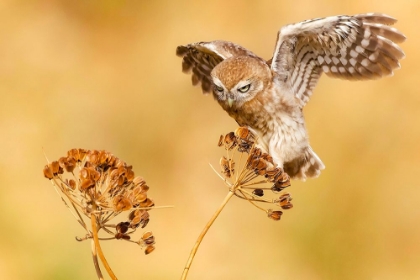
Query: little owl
{"points": [[268, 96]]}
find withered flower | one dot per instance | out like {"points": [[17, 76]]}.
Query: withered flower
{"points": [[258, 175], [252, 177], [100, 186]]}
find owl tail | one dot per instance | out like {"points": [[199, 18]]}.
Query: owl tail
{"points": [[307, 166]]}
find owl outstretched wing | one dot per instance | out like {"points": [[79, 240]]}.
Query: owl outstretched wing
{"points": [[200, 59], [356, 47]]}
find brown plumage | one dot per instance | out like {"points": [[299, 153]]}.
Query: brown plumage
{"points": [[268, 96]]}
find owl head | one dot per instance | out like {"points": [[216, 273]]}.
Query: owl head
{"points": [[239, 79]]}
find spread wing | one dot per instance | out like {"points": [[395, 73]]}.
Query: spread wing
{"points": [[359, 47], [200, 59]]}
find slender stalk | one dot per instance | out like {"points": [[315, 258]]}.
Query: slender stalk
{"points": [[95, 262], [250, 201], [98, 247], [203, 233], [221, 177]]}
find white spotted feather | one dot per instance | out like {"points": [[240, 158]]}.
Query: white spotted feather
{"points": [[356, 47]]}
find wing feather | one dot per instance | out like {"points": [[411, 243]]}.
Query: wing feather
{"points": [[356, 47], [200, 59]]}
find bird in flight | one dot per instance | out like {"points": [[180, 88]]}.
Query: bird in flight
{"points": [[268, 96]]}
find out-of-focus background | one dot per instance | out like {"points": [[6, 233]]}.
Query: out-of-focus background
{"points": [[104, 75]]}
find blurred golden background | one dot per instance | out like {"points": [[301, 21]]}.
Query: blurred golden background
{"points": [[104, 75]]}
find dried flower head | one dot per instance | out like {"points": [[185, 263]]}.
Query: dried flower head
{"points": [[100, 186], [257, 170], [257, 174]]}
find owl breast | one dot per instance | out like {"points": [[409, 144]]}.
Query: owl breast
{"points": [[286, 138], [278, 122]]}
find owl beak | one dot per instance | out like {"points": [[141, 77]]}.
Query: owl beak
{"points": [[230, 101]]}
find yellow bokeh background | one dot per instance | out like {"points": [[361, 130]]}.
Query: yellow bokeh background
{"points": [[104, 75]]}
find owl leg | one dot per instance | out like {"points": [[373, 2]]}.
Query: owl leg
{"points": [[309, 165]]}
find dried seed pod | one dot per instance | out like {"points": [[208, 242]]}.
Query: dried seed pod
{"points": [[144, 223], [220, 143], [73, 153], [227, 166], [245, 147], [129, 174], [120, 235], [258, 164], [70, 164], [93, 157], [275, 215], [284, 201], [103, 157], [82, 154], [95, 175], [272, 173], [285, 196], [48, 172], [243, 133], [139, 181], [121, 203], [282, 181], [111, 160], [256, 152], [135, 213], [276, 189], [140, 189], [258, 192], [56, 168], [72, 184], [268, 158], [122, 227], [230, 141], [85, 173], [118, 163], [90, 173], [260, 172], [138, 217], [144, 188], [147, 203], [149, 249], [148, 238], [245, 139], [77, 154], [141, 197], [286, 206], [126, 237], [114, 174], [86, 184], [62, 161]]}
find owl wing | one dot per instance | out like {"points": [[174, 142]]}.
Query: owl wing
{"points": [[359, 47], [202, 57]]}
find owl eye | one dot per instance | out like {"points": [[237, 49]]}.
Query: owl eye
{"points": [[244, 88], [219, 89]]}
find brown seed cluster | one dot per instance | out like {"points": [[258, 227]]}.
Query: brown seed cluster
{"points": [[97, 182], [258, 169]]}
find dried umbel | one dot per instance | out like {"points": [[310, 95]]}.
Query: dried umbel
{"points": [[100, 186], [253, 177], [258, 177]]}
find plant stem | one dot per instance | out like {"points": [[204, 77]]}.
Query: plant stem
{"points": [[95, 262], [98, 247], [203, 233]]}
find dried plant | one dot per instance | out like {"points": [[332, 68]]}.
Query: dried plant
{"points": [[100, 186], [257, 178]]}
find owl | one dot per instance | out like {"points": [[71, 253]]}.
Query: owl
{"points": [[268, 96]]}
